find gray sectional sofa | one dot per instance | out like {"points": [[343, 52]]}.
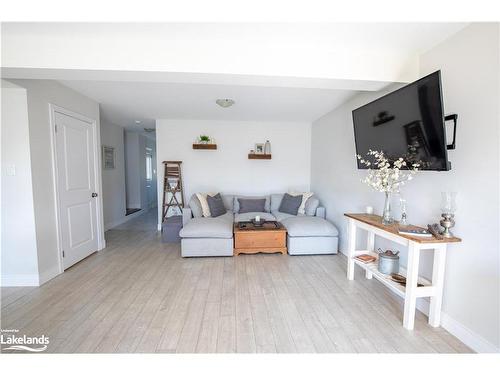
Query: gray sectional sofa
{"points": [[308, 233]]}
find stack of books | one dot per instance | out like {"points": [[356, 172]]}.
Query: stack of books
{"points": [[415, 231], [365, 258]]}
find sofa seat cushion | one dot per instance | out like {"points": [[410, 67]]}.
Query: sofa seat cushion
{"points": [[247, 216], [209, 227], [309, 226], [280, 216]]}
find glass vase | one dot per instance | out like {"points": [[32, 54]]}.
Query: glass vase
{"points": [[387, 218]]}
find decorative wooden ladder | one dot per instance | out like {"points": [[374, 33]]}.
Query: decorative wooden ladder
{"points": [[172, 183]]}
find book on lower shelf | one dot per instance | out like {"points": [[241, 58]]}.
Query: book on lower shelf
{"points": [[416, 232], [366, 258]]}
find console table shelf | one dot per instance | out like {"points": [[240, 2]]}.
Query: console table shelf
{"points": [[397, 288], [431, 288]]}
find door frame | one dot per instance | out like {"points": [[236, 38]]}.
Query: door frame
{"points": [[101, 243]]}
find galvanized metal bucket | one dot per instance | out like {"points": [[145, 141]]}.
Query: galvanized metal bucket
{"points": [[388, 262]]}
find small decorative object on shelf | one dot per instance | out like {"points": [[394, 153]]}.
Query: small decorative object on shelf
{"points": [[369, 210], [366, 258], [259, 148], [448, 207], [400, 279], [403, 221], [388, 261], [415, 232], [435, 229], [204, 139], [387, 176], [267, 148]]}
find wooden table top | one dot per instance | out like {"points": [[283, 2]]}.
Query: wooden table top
{"points": [[267, 226], [376, 221]]}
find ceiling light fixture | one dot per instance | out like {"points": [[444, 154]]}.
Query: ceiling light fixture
{"points": [[137, 121], [225, 103]]}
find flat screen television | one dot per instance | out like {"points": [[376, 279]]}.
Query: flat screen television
{"points": [[408, 122]]}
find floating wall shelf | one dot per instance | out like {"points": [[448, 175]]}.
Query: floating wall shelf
{"points": [[259, 156], [201, 146]]}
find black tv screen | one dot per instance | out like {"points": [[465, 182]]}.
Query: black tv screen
{"points": [[408, 123]]}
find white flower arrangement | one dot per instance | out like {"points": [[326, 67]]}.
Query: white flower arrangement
{"points": [[390, 175]]}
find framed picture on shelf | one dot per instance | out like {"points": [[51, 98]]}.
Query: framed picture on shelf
{"points": [[108, 157], [259, 148]]}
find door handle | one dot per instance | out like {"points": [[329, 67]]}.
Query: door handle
{"points": [[94, 195]]}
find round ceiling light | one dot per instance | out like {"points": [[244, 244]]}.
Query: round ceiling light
{"points": [[225, 103]]}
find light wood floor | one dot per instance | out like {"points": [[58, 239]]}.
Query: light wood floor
{"points": [[139, 295]]}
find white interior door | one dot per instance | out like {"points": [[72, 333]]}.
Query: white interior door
{"points": [[75, 148]]}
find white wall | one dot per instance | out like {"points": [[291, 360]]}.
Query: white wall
{"points": [[470, 67], [40, 94], [135, 170], [19, 253], [132, 173], [142, 173], [228, 168], [113, 180], [151, 186]]}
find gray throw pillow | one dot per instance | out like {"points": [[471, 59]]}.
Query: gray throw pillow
{"points": [[195, 206], [251, 205], [290, 204], [312, 205], [216, 205]]}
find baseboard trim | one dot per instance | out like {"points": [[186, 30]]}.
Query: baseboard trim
{"points": [[20, 280], [113, 224], [457, 329], [49, 275], [461, 332]]}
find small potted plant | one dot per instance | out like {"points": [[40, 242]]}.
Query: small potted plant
{"points": [[204, 139]]}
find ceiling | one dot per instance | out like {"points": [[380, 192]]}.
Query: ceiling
{"points": [[274, 72], [123, 103]]}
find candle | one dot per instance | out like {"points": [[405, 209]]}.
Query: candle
{"points": [[369, 210], [257, 218]]}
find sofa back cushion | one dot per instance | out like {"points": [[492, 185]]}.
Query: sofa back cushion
{"points": [[251, 205], [290, 204], [216, 205], [228, 200], [311, 205], [276, 202], [236, 204]]}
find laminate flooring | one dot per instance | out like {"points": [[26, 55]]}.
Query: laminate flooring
{"points": [[140, 295]]}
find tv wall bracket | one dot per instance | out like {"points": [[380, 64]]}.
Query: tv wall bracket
{"points": [[453, 117]]}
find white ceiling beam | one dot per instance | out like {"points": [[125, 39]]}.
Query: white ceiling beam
{"points": [[192, 78], [328, 57]]}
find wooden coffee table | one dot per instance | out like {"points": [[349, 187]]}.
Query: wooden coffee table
{"points": [[251, 239]]}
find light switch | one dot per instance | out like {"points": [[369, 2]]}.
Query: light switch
{"points": [[11, 170]]}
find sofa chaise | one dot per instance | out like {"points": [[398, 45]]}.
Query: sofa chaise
{"points": [[308, 233]]}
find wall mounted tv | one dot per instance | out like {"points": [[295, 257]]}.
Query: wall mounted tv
{"points": [[408, 122]]}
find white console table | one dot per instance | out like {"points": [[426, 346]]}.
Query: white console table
{"points": [[431, 288]]}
